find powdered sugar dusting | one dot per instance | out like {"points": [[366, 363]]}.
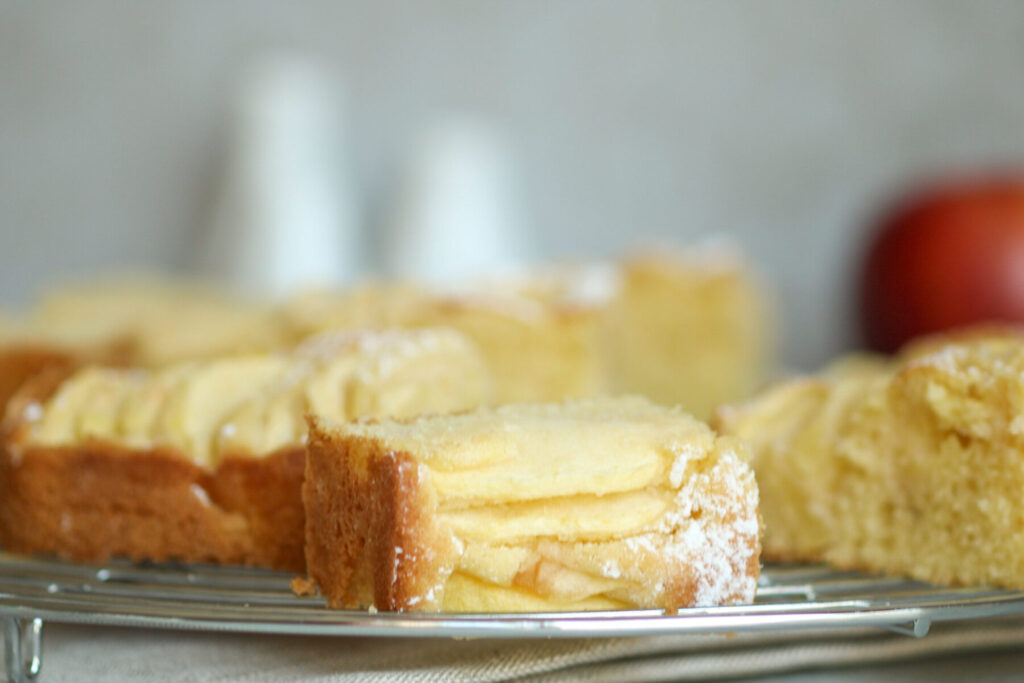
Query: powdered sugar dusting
{"points": [[712, 530], [384, 351], [200, 493], [954, 359], [684, 453], [15, 453], [944, 358], [642, 543], [593, 285], [1016, 425], [32, 412], [409, 560], [611, 570]]}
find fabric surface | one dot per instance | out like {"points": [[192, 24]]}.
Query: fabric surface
{"points": [[79, 653]]}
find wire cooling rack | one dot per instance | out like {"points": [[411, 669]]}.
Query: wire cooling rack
{"points": [[215, 598]]}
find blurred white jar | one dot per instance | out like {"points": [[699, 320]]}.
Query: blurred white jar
{"points": [[285, 217], [454, 215]]}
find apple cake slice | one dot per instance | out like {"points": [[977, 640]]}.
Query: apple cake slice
{"points": [[692, 328], [910, 466], [536, 349], [123, 321], [203, 460], [592, 504]]}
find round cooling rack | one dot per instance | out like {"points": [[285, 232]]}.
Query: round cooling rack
{"points": [[215, 598]]}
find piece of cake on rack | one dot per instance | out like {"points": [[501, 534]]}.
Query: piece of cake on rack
{"points": [[536, 349], [138, 321], [690, 328], [203, 460], [912, 465], [584, 505]]}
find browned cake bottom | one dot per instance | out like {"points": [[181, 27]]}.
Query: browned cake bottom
{"points": [[97, 500]]}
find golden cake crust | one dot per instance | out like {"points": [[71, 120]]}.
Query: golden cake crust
{"points": [[98, 500], [387, 543]]}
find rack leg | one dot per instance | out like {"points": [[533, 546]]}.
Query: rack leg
{"points": [[23, 648], [917, 628]]}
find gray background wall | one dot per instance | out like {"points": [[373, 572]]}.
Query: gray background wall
{"points": [[779, 123]]}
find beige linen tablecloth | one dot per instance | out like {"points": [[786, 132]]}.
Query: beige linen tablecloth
{"points": [[79, 653]]}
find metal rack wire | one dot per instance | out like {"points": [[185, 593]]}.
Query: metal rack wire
{"points": [[215, 598]]}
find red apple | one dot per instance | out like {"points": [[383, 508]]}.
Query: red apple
{"points": [[945, 257]]}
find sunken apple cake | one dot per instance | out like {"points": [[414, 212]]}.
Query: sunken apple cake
{"points": [[912, 465], [203, 460], [690, 329], [585, 505]]}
